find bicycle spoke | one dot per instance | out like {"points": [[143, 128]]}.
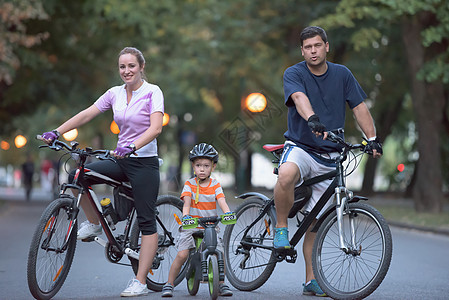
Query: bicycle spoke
{"points": [[359, 271]]}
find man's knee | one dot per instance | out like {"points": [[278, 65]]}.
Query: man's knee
{"points": [[288, 175]]}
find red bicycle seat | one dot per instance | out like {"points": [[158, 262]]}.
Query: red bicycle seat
{"points": [[273, 147]]}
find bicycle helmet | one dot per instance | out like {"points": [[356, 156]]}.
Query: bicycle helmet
{"points": [[203, 150]]}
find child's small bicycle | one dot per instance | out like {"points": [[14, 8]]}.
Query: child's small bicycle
{"points": [[206, 262]]}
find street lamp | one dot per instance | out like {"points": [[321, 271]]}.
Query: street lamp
{"points": [[114, 128], [255, 102], [70, 135], [4, 145], [165, 119], [20, 141]]}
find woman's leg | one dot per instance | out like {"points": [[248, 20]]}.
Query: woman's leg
{"points": [[143, 174]]}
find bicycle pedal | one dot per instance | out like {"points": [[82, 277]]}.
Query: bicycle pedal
{"points": [[89, 239], [287, 254]]}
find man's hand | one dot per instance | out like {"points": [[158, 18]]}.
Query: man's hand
{"points": [[374, 147], [316, 126]]}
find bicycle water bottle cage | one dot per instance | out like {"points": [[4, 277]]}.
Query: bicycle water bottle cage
{"points": [[190, 223], [228, 219]]}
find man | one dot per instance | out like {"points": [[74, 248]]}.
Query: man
{"points": [[316, 92]]}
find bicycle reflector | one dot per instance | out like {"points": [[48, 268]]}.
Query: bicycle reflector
{"points": [[228, 219], [178, 220]]}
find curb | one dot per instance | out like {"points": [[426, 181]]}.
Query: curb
{"points": [[441, 231]]}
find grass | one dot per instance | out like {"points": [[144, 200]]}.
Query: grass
{"points": [[408, 215]]}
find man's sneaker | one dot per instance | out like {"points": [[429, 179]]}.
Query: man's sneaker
{"points": [[167, 290], [88, 230], [280, 240], [135, 288], [313, 289], [224, 290]]}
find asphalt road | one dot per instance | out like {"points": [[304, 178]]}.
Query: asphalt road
{"points": [[419, 269]]}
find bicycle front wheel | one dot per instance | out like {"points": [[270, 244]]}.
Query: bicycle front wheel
{"points": [[51, 251], [249, 257], [167, 206], [212, 277], [357, 272]]}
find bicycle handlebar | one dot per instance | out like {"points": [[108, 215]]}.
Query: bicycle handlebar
{"points": [[333, 136], [58, 145]]}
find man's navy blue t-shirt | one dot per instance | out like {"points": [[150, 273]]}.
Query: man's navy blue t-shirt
{"points": [[328, 94]]}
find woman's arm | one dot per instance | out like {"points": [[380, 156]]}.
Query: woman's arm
{"points": [[79, 119], [152, 132]]}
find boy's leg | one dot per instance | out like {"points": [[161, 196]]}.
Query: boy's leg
{"points": [[180, 259]]}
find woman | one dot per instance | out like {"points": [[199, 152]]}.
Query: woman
{"points": [[138, 108]]}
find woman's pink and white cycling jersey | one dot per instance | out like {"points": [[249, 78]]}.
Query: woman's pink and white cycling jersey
{"points": [[133, 119]]}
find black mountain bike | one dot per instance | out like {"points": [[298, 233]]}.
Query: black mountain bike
{"points": [[54, 241], [353, 245]]}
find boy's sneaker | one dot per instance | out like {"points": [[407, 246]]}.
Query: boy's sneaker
{"points": [[224, 290], [88, 230], [313, 289], [135, 288], [280, 240], [167, 290]]}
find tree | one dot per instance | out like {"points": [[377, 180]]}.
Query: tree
{"points": [[425, 35], [15, 38]]}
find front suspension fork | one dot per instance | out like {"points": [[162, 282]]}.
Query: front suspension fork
{"points": [[341, 204]]}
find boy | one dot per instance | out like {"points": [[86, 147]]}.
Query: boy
{"points": [[200, 195]]}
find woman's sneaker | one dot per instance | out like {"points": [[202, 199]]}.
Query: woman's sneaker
{"points": [[88, 230], [313, 289], [167, 290], [135, 288]]}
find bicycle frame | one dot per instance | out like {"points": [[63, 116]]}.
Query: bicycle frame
{"points": [[337, 187]]}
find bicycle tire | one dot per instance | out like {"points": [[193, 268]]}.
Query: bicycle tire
{"points": [[355, 275], [213, 277], [47, 269], [193, 284], [167, 206], [260, 262]]}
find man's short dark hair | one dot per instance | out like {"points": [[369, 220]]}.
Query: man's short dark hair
{"points": [[312, 31]]}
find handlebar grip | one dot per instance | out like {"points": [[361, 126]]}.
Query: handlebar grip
{"points": [[39, 137]]}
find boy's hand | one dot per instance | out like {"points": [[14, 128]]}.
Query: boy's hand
{"points": [[229, 218], [186, 217], [188, 222]]}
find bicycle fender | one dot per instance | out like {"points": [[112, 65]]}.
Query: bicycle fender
{"points": [[331, 209], [253, 194]]}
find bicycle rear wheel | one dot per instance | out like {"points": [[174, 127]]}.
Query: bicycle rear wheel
{"points": [[168, 229], [356, 274], [248, 267], [51, 251]]}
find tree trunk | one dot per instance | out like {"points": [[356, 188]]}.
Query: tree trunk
{"points": [[385, 121], [428, 104]]}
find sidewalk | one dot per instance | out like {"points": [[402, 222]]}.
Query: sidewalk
{"points": [[18, 194]]}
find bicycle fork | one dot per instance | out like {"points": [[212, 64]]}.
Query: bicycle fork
{"points": [[341, 204]]}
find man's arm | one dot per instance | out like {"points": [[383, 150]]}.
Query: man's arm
{"points": [[302, 104], [366, 123], [305, 110]]}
